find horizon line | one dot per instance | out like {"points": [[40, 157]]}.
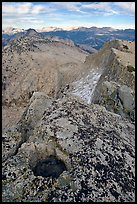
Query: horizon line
{"points": [[67, 27]]}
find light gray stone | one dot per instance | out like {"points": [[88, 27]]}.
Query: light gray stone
{"points": [[97, 147], [126, 95]]}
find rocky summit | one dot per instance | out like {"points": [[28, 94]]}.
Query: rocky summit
{"points": [[96, 148], [68, 121]]}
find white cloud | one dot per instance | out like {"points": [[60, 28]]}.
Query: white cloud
{"points": [[126, 6], [70, 6], [64, 13], [37, 9], [25, 8], [16, 7], [102, 8], [111, 8], [8, 8]]}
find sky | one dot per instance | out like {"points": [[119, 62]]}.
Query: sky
{"points": [[119, 15]]}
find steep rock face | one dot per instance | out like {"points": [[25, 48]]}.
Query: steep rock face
{"points": [[117, 62], [96, 146], [36, 63], [115, 58], [105, 75], [118, 98]]}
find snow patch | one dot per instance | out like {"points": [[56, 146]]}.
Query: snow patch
{"points": [[85, 87]]}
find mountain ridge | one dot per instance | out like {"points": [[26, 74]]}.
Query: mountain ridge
{"points": [[93, 36], [53, 28], [38, 62]]}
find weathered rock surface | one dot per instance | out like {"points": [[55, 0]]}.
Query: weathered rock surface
{"points": [[118, 98], [125, 94], [96, 146], [115, 86], [35, 63], [36, 107], [116, 67]]}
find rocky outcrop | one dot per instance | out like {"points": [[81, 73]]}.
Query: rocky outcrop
{"points": [[118, 99], [125, 94], [115, 58], [109, 78], [35, 63], [95, 146], [115, 88], [20, 133]]}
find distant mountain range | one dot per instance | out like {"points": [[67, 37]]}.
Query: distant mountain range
{"points": [[95, 37], [11, 30], [89, 38]]}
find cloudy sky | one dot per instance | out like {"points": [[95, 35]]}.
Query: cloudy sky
{"points": [[64, 14]]}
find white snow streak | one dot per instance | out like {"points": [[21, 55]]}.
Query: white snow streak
{"points": [[86, 86]]}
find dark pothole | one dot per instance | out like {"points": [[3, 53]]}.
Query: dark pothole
{"points": [[50, 166]]}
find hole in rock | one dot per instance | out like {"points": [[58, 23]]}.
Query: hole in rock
{"points": [[50, 166]]}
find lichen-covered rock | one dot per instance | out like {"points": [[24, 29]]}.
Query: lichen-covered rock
{"points": [[97, 147], [118, 99], [108, 88], [33, 113], [127, 98], [38, 103], [11, 140], [116, 59], [106, 74]]}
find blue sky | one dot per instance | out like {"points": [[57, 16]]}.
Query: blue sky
{"points": [[68, 14]]}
